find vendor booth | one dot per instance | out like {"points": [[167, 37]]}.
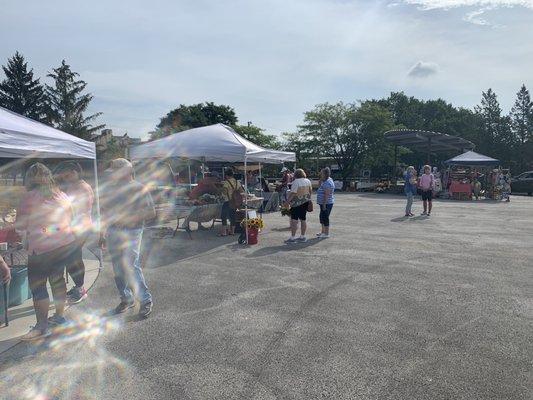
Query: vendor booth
{"points": [[214, 143], [23, 138], [472, 174]]}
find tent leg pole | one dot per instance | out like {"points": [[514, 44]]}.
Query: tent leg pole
{"points": [[261, 189], [246, 196], [189, 168], [98, 215]]}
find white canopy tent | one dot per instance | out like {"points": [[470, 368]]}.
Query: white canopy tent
{"points": [[210, 143], [216, 142], [23, 137]]}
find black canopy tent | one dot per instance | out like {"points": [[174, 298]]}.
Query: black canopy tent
{"points": [[426, 141], [471, 158]]}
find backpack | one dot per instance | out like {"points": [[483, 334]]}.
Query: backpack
{"points": [[236, 199]]}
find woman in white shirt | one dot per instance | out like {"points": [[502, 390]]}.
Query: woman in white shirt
{"points": [[299, 198]]}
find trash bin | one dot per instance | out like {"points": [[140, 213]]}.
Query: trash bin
{"points": [[18, 288]]}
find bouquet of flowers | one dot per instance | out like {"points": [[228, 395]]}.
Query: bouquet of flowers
{"points": [[285, 211], [254, 223]]}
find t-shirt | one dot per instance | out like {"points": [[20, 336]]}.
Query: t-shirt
{"points": [[123, 202], [427, 182], [81, 196], [328, 184], [409, 187], [230, 186], [47, 221], [301, 187]]}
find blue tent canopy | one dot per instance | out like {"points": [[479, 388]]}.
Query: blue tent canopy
{"points": [[472, 158]]}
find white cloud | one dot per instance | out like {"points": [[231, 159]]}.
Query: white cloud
{"points": [[447, 4], [423, 69]]}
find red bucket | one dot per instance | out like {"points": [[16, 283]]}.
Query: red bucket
{"points": [[253, 234]]}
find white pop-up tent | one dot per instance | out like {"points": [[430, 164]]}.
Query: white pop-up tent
{"points": [[23, 137], [210, 143], [216, 142]]}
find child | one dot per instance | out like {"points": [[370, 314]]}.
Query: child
{"points": [[427, 184]]}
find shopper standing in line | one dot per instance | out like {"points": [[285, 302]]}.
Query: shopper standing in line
{"points": [[325, 200]]}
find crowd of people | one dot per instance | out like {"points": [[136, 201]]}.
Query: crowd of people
{"points": [[55, 217]]}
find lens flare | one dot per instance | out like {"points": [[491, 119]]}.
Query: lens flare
{"points": [[72, 364]]}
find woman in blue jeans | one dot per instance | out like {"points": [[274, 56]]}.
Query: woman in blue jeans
{"points": [[410, 189], [325, 200]]}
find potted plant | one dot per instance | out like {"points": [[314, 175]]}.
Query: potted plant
{"points": [[252, 225]]}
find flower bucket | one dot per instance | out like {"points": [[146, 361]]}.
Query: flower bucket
{"points": [[253, 234]]}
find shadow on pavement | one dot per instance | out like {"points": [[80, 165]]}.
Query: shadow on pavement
{"points": [[266, 251], [160, 249]]}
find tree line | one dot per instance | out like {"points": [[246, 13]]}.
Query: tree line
{"points": [[62, 103], [349, 135]]}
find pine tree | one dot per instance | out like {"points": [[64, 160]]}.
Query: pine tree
{"points": [[522, 116], [491, 114], [19, 92], [68, 103]]}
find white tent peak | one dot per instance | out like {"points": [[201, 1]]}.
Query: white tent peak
{"points": [[216, 142], [23, 137]]}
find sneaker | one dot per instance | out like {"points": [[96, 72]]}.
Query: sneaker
{"points": [[77, 295], [302, 239], [123, 307], [145, 309], [290, 240], [411, 215], [36, 334], [428, 214], [324, 236], [56, 320], [319, 234], [424, 213]]}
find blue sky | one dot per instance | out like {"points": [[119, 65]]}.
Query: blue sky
{"points": [[273, 59]]}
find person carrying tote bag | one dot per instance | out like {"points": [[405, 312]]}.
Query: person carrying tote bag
{"points": [[299, 199]]}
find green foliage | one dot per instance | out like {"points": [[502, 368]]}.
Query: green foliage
{"points": [[351, 134], [68, 103], [522, 116], [257, 136], [194, 116], [19, 92]]}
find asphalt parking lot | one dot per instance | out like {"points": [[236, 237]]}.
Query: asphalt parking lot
{"points": [[388, 308]]}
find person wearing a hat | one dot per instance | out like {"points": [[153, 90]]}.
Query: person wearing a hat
{"points": [[127, 205], [81, 195]]}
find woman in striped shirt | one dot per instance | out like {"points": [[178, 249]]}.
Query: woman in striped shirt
{"points": [[325, 200]]}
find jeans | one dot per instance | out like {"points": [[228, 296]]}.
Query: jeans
{"points": [[76, 269], [410, 198], [124, 247], [325, 211]]}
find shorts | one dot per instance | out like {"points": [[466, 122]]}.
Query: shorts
{"points": [[427, 195], [49, 266], [300, 212]]}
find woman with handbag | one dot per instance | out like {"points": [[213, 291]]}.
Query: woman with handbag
{"points": [[299, 200]]}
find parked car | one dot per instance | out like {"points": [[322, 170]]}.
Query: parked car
{"points": [[523, 183]]}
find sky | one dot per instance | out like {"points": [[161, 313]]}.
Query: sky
{"points": [[272, 60]]}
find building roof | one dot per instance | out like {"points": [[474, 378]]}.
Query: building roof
{"points": [[428, 141]]}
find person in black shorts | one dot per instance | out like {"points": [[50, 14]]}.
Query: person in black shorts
{"points": [[298, 199]]}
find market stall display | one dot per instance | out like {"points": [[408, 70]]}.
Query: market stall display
{"points": [[218, 143], [470, 173]]}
